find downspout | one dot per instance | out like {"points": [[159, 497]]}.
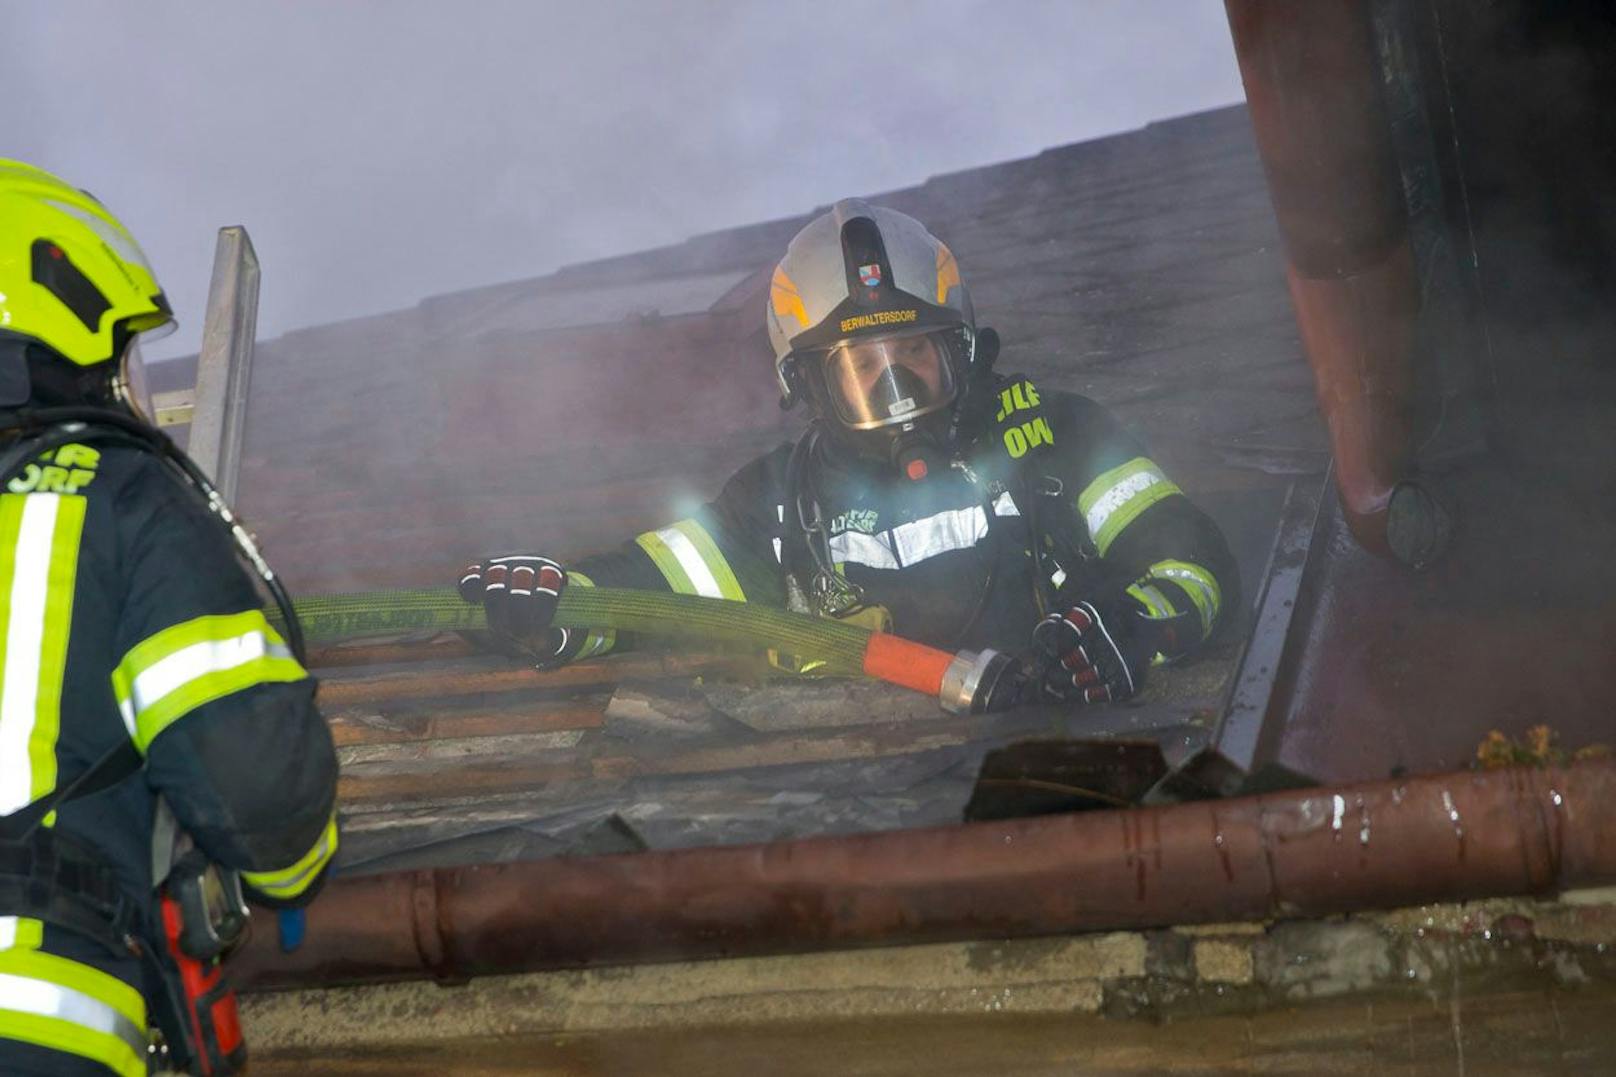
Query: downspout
{"points": [[1306, 853], [1324, 136]]}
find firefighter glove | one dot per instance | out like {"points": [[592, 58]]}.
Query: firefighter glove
{"points": [[519, 593], [1094, 657]]}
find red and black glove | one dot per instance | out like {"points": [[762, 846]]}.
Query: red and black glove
{"points": [[519, 593], [1095, 657]]}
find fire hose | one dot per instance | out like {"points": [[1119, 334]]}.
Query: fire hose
{"points": [[967, 682]]}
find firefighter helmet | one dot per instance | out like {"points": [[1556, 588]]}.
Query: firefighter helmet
{"points": [[869, 318], [73, 279]]}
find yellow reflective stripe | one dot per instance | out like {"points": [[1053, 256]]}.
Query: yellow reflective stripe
{"points": [[39, 552], [948, 274], [1199, 584], [21, 932], [599, 641], [666, 563], [287, 883], [64, 565], [183, 667], [65, 1006], [1153, 600], [1114, 500], [207, 629], [72, 1038], [690, 561], [728, 586], [785, 298]]}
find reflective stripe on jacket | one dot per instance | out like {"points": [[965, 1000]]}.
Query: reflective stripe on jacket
{"points": [[124, 615], [924, 551]]}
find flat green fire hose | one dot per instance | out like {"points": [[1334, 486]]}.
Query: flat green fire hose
{"points": [[329, 618]]}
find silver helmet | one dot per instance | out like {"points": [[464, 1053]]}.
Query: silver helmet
{"points": [[869, 318]]}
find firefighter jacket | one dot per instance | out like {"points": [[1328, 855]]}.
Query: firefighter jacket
{"points": [[950, 558], [125, 615]]}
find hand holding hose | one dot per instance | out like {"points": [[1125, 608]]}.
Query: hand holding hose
{"points": [[1094, 657], [519, 594]]}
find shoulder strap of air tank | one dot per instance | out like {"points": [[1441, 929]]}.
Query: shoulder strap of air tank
{"points": [[121, 762]]}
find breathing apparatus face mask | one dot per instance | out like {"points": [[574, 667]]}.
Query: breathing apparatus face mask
{"points": [[889, 381], [32, 375], [889, 398], [130, 386]]}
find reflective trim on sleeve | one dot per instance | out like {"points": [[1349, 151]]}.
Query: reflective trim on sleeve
{"points": [[1199, 584], [64, 1006], [1154, 601], [39, 556], [598, 641], [1114, 500], [691, 562], [21, 932], [287, 883], [187, 665]]}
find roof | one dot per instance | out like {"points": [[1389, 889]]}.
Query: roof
{"points": [[1142, 269]]}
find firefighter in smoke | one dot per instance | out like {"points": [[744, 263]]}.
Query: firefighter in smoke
{"points": [[138, 666], [930, 496]]}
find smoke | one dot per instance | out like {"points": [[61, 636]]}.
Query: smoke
{"points": [[380, 152]]}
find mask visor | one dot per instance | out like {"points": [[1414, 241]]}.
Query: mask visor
{"points": [[130, 385], [887, 381]]}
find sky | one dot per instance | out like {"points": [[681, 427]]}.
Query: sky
{"points": [[381, 151]]}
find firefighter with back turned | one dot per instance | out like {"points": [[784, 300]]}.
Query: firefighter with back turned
{"points": [[142, 683]]}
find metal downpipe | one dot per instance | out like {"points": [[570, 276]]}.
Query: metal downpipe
{"points": [[1307, 853], [1324, 136]]}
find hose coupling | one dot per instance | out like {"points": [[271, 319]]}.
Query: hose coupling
{"points": [[976, 682]]}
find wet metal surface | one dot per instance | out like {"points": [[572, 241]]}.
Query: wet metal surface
{"points": [[1400, 672], [1247, 733], [1296, 854]]}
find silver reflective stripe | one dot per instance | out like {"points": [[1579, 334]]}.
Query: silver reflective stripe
{"points": [[1153, 599], [857, 548], [1119, 495], [293, 884], [947, 531], [189, 663], [25, 629], [42, 998], [8, 932], [690, 559], [911, 543], [1199, 584]]}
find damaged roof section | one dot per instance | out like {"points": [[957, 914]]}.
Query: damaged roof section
{"points": [[570, 412]]}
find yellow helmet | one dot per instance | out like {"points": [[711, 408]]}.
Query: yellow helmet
{"points": [[71, 275]]}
